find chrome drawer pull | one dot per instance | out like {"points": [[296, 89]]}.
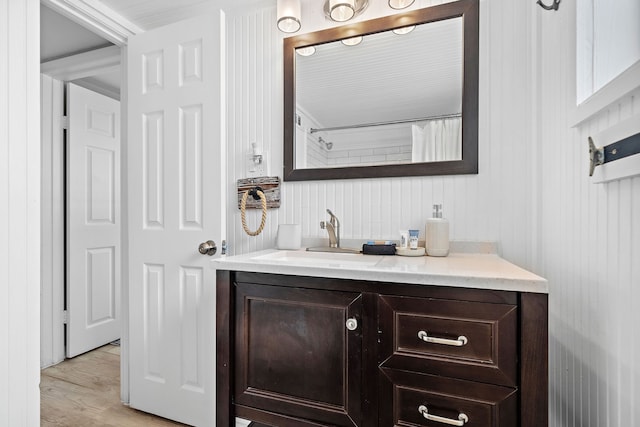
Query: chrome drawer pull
{"points": [[462, 417], [462, 340]]}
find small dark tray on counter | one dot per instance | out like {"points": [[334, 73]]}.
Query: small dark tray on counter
{"points": [[379, 249]]}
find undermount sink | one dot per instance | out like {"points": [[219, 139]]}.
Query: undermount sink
{"points": [[320, 259]]}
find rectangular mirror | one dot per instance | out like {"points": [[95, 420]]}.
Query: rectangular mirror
{"points": [[394, 96]]}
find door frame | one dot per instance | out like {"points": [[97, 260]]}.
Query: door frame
{"points": [[57, 73], [116, 29]]}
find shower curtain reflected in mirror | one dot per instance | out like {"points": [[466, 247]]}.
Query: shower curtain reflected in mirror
{"points": [[437, 140]]}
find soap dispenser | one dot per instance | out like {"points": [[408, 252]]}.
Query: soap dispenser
{"points": [[437, 234]]}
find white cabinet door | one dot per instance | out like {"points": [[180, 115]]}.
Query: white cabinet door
{"points": [[93, 220], [175, 172]]}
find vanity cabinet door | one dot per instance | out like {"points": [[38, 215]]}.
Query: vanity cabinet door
{"points": [[294, 354]]}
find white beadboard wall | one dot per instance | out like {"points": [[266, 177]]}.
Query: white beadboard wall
{"points": [[545, 215], [494, 205], [19, 213], [589, 247]]}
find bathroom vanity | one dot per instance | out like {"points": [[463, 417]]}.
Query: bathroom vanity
{"points": [[321, 339]]}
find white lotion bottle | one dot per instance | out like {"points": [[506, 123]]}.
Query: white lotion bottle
{"points": [[437, 234]]}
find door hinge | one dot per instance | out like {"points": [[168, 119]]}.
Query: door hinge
{"points": [[65, 317], [65, 122]]}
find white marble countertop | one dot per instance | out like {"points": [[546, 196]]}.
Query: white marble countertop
{"points": [[465, 270]]}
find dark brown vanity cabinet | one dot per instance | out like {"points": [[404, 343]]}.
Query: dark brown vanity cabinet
{"points": [[307, 351]]}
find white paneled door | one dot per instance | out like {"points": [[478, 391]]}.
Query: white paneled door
{"points": [[93, 220], [176, 174]]}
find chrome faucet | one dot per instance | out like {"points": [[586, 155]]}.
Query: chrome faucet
{"points": [[333, 228]]}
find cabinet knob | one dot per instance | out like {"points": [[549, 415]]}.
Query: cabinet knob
{"points": [[352, 324]]}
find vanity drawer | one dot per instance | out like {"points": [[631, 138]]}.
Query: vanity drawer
{"points": [[407, 398], [461, 339]]}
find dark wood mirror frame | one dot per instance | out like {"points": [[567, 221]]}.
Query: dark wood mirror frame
{"points": [[468, 10]]}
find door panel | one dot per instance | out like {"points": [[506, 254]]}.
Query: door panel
{"points": [[175, 128], [93, 220], [291, 353]]}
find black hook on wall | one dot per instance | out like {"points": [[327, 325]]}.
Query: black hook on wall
{"points": [[254, 192], [554, 6]]}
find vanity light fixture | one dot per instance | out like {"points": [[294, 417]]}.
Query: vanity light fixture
{"points": [[400, 4], [404, 30], [344, 10], [352, 41], [288, 15]]}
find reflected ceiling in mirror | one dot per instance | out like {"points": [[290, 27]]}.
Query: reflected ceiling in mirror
{"points": [[392, 105], [371, 103]]}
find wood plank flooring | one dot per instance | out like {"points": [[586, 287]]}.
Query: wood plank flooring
{"points": [[85, 391]]}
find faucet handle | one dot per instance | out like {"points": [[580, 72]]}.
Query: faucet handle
{"points": [[323, 225], [334, 219]]}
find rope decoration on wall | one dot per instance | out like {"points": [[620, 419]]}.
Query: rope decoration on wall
{"points": [[256, 193], [270, 186]]}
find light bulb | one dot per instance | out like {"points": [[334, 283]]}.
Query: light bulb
{"points": [[306, 51], [404, 30], [342, 10], [352, 41], [400, 4]]}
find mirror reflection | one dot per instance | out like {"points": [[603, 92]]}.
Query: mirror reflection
{"points": [[368, 102], [388, 98]]}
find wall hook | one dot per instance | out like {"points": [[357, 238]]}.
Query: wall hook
{"points": [[596, 156], [554, 6], [254, 192]]}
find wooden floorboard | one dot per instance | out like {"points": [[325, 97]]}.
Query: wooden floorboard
{"points": [[85, 391]]}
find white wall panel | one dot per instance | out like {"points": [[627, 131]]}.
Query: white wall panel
{"points": [[589, 246], [494, 205], [254, 114], [19, 213], [532, 194]]}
